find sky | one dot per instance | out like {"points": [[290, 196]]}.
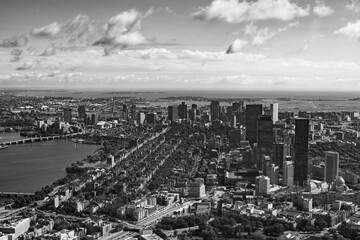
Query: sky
{"points": [[271, 45]]}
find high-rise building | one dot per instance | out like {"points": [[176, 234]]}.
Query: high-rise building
{"points": [[252, 114], [274, 111], [172, 113], [235, 137], [67, 114], [81, 112], [110, 160], [301, 151], [288, 173], [94, 118], [279, 154], [151, 118], [331, 166], [273, 174], [133, 114], [265, 137], [140, 118], [215, 110], [182, 111], [125, 112], [262, 185], [192, 114]]}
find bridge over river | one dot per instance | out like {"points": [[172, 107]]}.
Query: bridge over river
{"points": [[37, 139]]}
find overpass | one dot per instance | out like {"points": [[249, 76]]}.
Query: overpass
{"points": [[38, 139]]}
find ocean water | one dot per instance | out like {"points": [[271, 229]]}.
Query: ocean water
{"points": [[154, 94]]}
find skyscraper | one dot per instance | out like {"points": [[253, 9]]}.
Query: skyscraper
{"points": [[125, 112], [140, 118], [133, 113], [331, 166], [81, 112], [288, 173], [182, 111], [252, 113], [279, 154], [262, 185], [301, 150], [274, 111], [265, 138], [273, 174], [172, 113], [67, 114], [215, 110]]}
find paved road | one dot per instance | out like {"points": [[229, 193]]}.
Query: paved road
{"points": [[168, 210]]}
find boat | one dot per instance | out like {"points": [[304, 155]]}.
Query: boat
{"points": [[3, 147]]}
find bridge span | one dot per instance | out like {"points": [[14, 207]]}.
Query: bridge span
{"points": [[37, 139]]}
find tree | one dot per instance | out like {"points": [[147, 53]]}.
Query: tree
{"points": [[228, 231], [259, 236], [321, 224]]}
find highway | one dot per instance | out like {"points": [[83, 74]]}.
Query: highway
{"points": [[168, 210]]}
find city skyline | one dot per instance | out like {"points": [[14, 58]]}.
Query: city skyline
{"points": [[220, 44]]}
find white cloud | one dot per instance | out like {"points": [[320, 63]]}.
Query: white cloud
{"points": [[140, 69], [351, 30], [236, 46], [234, 11], [48, 31], [353, 5], [49, 51], [260, 36], [123, 30], [322, 10], [16, 41]]}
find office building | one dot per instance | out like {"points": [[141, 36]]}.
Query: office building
{"points": [[288, 173], [110, 160], [273, 174], [274, 112], [301, 151], [140, 118], [67, 114], [81, 112], [94, 118], [237, 106], [151, 118], [235, 137], [182, 111], [262, 185], [15, 227], [133, 112], [215, 110], [172, 113], [252, 114], [307, 204], [197, 189], [125, 112], [279, 154], [331, 166], [265, 137], [192, 114]]}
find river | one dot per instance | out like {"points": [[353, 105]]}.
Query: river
{"points": [[31, 166]]}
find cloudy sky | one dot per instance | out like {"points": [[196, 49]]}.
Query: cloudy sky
{"points": [[187, 44]]}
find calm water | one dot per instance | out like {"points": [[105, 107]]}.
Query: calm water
{"points": [[174, 93], [29, 167]]}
